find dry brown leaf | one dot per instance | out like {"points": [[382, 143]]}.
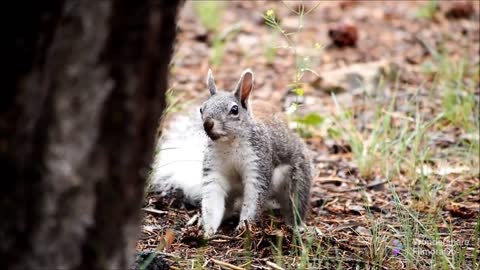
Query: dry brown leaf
{"points": [[165, 241], [169, 238], [459, 210]]}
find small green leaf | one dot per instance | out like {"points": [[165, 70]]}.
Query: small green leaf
{"points": [[305, 133], [311, 119], [333, 132]]}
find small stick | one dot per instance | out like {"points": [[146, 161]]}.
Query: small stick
{"points": [[274, 266], [224, 237], [192, 220], [371, 185], [168, 255], [204, 265], [151, 210], [331, 180], [228, 265]]}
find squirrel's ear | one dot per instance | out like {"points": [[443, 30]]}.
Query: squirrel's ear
{"points": [[211, 83], [244, 87]]}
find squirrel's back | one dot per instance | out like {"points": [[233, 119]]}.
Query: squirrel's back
{"points": [[286, 143]]}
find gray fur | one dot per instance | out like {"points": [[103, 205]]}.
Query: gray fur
{"points": [[242, 158]]}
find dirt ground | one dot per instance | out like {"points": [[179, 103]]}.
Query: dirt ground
{"points": [[380, 207]]}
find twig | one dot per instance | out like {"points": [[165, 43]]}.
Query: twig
{"points": [[312, 9], [362, 187], [204, 265], [331, 180], [291, 9], [224, 237], [246, 264], [274, 266], [151, 210], [168, 255], [192, 220], [228, 265], [398, 115]]}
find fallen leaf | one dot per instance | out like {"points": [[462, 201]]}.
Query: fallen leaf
{"points": [[459, 10], [344, 35], [169, 238], [459, 210], [166, 240]]}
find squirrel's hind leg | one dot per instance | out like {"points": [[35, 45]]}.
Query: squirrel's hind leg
{"points": [[301, 182], [281, 191], [293, 193]]}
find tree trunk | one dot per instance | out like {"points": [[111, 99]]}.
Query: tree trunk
{"points": [[82, 96]]}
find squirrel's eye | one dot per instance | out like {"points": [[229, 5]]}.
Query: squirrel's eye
{"points": [[201, 111], [234, 110]]}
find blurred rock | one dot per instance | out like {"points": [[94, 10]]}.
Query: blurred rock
{"points": [[291, 23], [458, 10], [363, 231], [344, 35], [247, 42], [350, 78]]}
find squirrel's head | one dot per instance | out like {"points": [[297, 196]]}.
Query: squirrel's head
{"points": [[226, 114]]}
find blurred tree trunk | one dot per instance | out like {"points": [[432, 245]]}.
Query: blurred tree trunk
{"points": [[81, 98]]}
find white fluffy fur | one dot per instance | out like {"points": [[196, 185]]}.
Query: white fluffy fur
{"points": [[178, 157]]}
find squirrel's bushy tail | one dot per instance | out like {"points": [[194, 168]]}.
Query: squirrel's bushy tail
{"points": [[177, 164]]}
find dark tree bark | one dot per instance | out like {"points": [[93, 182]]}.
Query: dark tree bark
{"points": [[81, 98]]}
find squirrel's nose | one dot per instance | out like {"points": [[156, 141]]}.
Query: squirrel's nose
{"points": [[208, 125]]}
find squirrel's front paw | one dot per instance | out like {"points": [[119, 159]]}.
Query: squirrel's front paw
{"points": [[209, 232], [242, 225]]}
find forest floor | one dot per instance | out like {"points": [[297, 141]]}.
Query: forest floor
{"points": [[388, 102]]}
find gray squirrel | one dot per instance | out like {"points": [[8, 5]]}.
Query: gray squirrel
{"points": [[250, 157]]}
